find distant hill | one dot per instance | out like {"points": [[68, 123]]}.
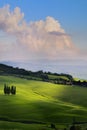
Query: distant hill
{"points": [[40, 75], [5, 69]]}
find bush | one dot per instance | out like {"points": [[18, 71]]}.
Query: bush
{"points": [[53, 125]]}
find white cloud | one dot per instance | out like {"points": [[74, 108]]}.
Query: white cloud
{"points": [[38, 39]]}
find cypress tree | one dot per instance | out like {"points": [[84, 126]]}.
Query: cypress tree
{"points": [[13, 90], [5, 89], [8, 90]]}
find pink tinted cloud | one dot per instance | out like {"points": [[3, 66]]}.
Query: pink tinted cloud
{"points": [[40, 39]]}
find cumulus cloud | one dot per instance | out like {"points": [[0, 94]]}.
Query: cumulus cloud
{"points": [[38, 39]]}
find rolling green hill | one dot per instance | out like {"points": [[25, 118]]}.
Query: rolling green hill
{"points": [[41, 103]]}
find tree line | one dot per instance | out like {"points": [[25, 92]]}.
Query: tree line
{"points": [[9, 90], [40, 75], [9, 70]]}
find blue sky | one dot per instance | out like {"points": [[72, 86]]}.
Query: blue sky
{"points": [[71, 14]]}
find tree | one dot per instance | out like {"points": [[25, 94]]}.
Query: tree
{"points": [[9, 90], [13, 90], [5, 89]]}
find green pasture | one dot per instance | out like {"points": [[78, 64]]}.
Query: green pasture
{"points": [[41, 102], [57, 77]]}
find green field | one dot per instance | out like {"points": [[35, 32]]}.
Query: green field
{"points": [[43, 102], [57, 77]]}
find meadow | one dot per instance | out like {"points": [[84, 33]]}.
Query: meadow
{"points": [[37, 104]]}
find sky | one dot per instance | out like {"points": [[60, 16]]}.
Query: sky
{"points": [[43, 29]]}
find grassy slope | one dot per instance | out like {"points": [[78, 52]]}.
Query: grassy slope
{"points": [[41, 101], [57, 77]]}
